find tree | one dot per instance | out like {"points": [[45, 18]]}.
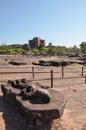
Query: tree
{"points": [[43, 50], [60, 50], [83, 47], [75, 50], [26, 47], [51, 50], [50, 44], [35, 51]]}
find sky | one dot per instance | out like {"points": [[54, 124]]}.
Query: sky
{"points": [[62, 22]]}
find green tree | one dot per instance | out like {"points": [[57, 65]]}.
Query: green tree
{"points": [[43, 50], [75, 50], [60, 50], [26, 47], [50, 44], [35, 51], [51, 50], [83, 47]]}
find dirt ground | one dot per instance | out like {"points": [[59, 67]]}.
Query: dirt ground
{"points": [[72, 86]]}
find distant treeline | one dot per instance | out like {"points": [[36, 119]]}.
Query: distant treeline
{"points": [[49, 50]]}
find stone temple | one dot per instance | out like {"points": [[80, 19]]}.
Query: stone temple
{"points": [[36, 42]]}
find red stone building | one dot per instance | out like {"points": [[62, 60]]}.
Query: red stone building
{"points": [[36, 42]]}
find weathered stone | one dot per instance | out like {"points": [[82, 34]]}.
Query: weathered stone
{"points": [[18, 84], [17, 62], [35, 96], [39, 115], [53, 63]]}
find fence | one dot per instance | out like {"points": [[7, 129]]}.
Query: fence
{"points": [[53, 74]]}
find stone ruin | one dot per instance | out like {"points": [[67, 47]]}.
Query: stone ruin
{"points": [[17, 62], [53, 63], [39, 106]]}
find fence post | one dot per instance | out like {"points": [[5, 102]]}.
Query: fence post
{"points": [[51, 78], [62, 71], [33, 72], [82, 71]]}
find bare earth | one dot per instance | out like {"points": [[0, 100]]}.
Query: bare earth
{"points": [[72, 86]]}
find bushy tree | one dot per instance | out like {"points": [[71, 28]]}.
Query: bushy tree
{"points": [[83, 47], [35, 51], [26, 47], [51, 50], [43, 50], [60, 50]]}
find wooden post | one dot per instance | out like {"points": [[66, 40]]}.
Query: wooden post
{"points": [[51, 78], [33, 72], [62, 71], [85, 77], [82, 71]]}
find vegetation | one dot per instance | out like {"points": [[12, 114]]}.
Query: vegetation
{"points": [[49, 50], [83, 47]]}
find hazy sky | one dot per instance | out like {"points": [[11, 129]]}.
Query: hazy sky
{"points": [[62, 22]]}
